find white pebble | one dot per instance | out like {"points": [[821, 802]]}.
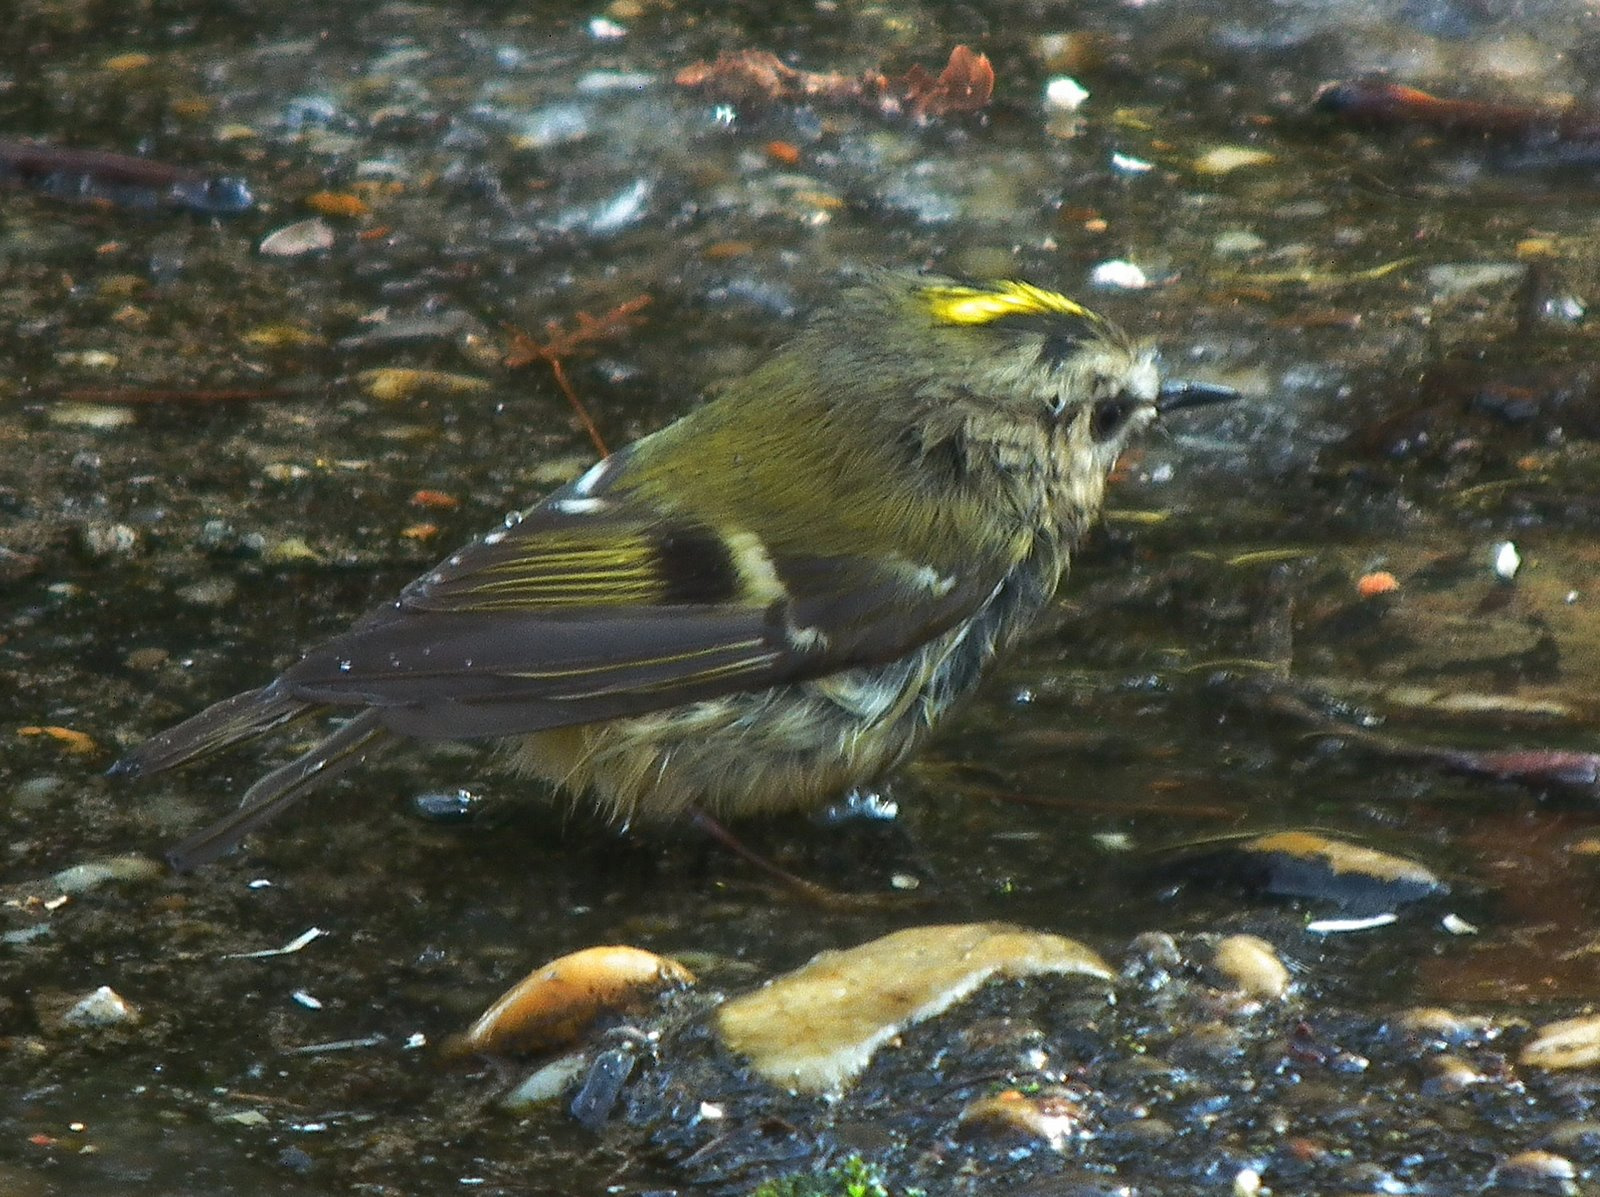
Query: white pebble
{"points": [[1227, 158], [1506, 560], [105, 1007], [1130, 165], [1120, 274], [1064, 94], [299, 238], [91, 415]]}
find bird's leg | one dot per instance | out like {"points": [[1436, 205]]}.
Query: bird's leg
{"points": [[799, 887]]}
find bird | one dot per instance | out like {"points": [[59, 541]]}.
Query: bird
{"points": [[762, 606]]}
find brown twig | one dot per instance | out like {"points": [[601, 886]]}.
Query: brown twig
{"points": [[563, 342]]}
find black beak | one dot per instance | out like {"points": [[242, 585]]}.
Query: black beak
{"points": [[1178, 394]]}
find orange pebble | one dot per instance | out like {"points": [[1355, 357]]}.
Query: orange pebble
{"points": [[438, 500], [337, 203], [552, 1006], [1374, 584], [72, 741], [784, 152]]}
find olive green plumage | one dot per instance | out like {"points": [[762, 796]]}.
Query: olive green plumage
{"points": [[763, 604]]}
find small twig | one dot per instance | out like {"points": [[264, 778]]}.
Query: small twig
{"points": [[563, 343], [584, 418]]}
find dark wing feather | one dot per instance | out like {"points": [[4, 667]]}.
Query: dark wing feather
{"points": [[594, 606], [465, 675], [457, 657]]}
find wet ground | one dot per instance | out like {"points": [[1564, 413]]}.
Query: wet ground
{"points": [[207, 462]]}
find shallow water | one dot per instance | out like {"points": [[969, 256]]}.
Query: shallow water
{"points": [[520, 165]]}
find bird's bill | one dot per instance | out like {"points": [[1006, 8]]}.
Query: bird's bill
{"points": [[1178, 393]]}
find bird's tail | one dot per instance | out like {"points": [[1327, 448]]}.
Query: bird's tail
{"points": [[231, 721], [357, 741]]}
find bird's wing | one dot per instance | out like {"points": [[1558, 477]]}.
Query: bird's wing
{"points": [[590, 608]]}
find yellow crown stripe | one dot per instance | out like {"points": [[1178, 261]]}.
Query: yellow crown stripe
{"points": [[984, 305]]}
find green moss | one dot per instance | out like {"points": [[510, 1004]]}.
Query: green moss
{"points": [[853, 1178]]}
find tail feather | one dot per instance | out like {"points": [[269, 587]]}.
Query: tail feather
{"points": [[355, 742], [242, 717]]}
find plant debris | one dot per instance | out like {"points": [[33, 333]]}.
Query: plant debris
{"points": [[965, 85], [562, 343]]}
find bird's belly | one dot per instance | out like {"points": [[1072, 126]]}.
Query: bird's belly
{"points": [[786, 748], [792, 746]]}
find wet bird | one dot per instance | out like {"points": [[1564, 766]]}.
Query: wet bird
{"points": [[763, 605]]}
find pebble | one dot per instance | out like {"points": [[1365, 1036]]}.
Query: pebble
{"points": [[560, 124], [210, 592], [302, 237], [1455, 278], [1064, 94], [109, 540], [1435, 1024], [91, 415], [557, 1003], [547, 1082], [1450, 1074], [816, 1028], [81, 878], [1306, 864], [290, 549], [1050, 1117], [446, 806], [1237, 242], [1535, 1172], [1506, 560], [1119, 274], [1252, 966], [1225, 159], [1570, 1043], [393, 383], [105, 1007]]}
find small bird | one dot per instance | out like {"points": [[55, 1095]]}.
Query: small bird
{"points": [[763, 605]]}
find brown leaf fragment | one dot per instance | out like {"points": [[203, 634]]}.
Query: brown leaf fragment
{"points": [[762, 75], [965, 85]]}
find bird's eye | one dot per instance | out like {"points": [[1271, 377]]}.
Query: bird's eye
{"points": [[1108, 416]]}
